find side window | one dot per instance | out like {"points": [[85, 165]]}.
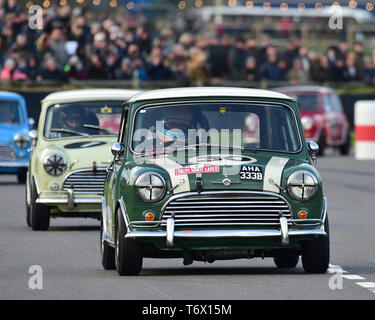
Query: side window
{"points": [[327, 103], [336, 103], [122, 131]]}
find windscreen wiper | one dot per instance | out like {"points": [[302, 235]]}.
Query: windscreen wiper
{"points": [[70, 132], [209, 145], [89, 126]]}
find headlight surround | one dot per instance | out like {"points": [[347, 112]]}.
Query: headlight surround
{"points": [[307, 122], [55, 164], [150, 187], [302, 185], [21, 141]]}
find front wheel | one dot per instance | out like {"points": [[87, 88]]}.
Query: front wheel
{"points": [[315, 253], [322, 144], [27, 207], [288, 261], [107, 252], [128, 251], [21, 176], [345, 148], [39, 214]]}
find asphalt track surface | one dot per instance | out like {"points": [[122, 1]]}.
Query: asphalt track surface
{"points": [[69, 254]]}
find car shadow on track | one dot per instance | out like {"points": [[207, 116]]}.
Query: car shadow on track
{"points": [[229, 271], [74, 228], [11, 183]]}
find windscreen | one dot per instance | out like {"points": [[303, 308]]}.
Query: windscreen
{"points": [[307, 102], [10, 112], [241, 125], [83, 119]]}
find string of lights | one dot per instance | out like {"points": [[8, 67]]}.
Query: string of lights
{"points": [[184, 4]]}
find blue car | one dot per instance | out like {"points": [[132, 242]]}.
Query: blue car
{"points": [[14, 139]]}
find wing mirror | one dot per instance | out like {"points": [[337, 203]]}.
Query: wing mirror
{"points": [[313, 149], [31, 122], [117, 149], [33, 135]]}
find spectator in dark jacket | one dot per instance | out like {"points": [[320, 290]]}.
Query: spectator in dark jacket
{"points": [[52, 72], [251, 70], [97, 69], [237, 58], [271, 70], [368, 74]]}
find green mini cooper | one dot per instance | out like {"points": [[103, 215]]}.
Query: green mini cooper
{"points": [[211, 174]]}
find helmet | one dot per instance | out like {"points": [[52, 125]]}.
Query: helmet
{"points": [[174, 124], [73, 116]]}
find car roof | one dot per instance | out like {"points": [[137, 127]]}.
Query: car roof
{"points": [[199, 92], [304, 89], [10, 95], [90, 94]]}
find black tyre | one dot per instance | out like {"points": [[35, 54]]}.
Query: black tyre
{"points": [[322, 144], [107, 252], [39, 214], [21, 177], [128, 252], [27, 207], [316, 253], [345, 148], [287, 261]]}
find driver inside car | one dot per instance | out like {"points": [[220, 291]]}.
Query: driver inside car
{"points": [[74, 118]]}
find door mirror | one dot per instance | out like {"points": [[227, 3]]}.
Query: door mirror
{"points": [[117, 149], [33, 135], [313, 149], [31, 123]]}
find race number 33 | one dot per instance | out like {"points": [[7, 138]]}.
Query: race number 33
{"points": [[251, 173]]}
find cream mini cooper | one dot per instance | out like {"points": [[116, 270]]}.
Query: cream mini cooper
{"points": [[70, 153]]}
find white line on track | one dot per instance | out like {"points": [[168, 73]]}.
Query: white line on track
{"points": [[353, 277], [334, 269], [367, 285]]}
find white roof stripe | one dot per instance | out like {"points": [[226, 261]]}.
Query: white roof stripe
{"points": [[91, 94], [206, 92]]}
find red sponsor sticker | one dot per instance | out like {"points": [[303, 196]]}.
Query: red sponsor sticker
{"points": [[197, 169]]}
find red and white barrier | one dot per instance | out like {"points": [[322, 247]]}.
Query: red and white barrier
{"points": [[364, 117]]}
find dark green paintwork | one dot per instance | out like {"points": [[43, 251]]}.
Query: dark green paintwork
{"points": [[121, 182]]}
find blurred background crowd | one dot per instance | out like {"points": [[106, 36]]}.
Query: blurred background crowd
{"points": [[77, 44]]}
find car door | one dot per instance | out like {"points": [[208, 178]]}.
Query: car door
{"points": [[111, 185]]}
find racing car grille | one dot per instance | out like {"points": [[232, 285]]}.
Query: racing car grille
{"points": [[7, 153], [227, 209], [86, 181]]}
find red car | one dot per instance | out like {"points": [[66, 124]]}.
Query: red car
{"points": [[322, 116]]}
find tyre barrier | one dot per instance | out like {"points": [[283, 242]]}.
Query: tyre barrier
{"points": [[364, 120]]}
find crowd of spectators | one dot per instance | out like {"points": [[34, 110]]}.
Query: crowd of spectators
{"points": [[81, 45]]}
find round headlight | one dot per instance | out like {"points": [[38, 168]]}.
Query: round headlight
{"points": [[302, 185], [21, 141], [150, 187], [55, 164], [307, 123]]}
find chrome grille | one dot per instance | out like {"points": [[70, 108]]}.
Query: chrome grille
{"points": [[86, 181], [227, 209], [7, 153]]}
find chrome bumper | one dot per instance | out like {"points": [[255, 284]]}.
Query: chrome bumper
{"points": [[67, 197], [284, 233], [14, 164], [193, 234]]}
